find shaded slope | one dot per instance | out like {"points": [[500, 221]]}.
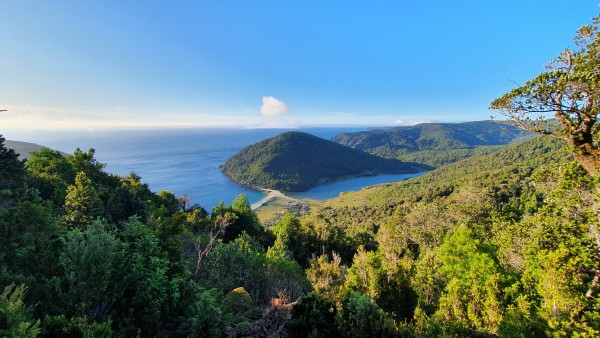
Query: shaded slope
{"points": [[296, 161]]}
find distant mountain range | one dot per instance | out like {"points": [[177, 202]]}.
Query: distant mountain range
{"points": [[296, 161], [433, 144]]}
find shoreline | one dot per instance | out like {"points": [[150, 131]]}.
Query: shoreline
{"points": [[271, 194]]}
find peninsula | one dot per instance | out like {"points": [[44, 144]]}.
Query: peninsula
{"points": [[296, 161]]}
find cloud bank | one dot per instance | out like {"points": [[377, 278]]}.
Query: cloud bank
{"points": [[272, 107], [411, 122]]}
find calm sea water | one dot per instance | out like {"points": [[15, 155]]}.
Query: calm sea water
{"points": [[186, 161]]}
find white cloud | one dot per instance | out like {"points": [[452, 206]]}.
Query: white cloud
{"points": [[411, 122], [273, 107]]}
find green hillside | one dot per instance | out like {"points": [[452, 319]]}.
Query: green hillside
{"points": [[434, 144], [508, 166], [480, 248], [296, 161]]}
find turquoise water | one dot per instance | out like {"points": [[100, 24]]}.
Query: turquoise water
{"points": [[186, 161]]}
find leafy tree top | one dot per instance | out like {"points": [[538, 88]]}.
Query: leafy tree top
{"points": [[563, 101]]}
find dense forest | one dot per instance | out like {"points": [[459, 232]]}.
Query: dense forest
{"points": [[434, 144], [296, 161], [504, 243], [495, 245]]}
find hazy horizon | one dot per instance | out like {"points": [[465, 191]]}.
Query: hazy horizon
{"points": [[69, 65]]}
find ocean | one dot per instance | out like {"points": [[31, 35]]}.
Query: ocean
{"points": [[186, 161]]}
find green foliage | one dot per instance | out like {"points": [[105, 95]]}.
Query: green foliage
{"points": [[204, 317], [362, 318], [562, 259], [502, 244], [90, 261], [498, 173], [86, 162], [167, 200], [472, 298], [295, 161], [29, 239], [15, 317], [325, 231], [242, 220], [51, 174], [11, 169], [123, 204], [82, 204], [243, 262], [433, 144], [80, 327], [327, 276], [428, 282], [387, 284], [313, 316], [174, 235], [148, 292]]}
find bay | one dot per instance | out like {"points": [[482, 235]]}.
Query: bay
{"points": [[333, 190], [186, 161]]}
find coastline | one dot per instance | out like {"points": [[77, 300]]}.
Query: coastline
{"points": [[271, 194]]}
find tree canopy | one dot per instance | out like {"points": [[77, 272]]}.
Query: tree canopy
{"points": [[564, 101]]}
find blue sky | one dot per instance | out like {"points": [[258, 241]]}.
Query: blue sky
{"points": [[122, 64]]}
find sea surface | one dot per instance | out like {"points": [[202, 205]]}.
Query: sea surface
{"points": [[186, 161]]}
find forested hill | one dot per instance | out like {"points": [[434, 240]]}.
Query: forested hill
{"points": [[433, 144], [434, 136], [503, 171], [296, 161]]}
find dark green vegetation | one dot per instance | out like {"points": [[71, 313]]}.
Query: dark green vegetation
{"points": [[84, 253], [24, 149], [297, 161], [503, 244], [434, 144]]}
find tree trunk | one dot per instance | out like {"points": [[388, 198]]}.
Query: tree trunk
{"points": [[587, 155]]}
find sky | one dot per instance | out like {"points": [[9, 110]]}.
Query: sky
{"points": [[85, 65]]}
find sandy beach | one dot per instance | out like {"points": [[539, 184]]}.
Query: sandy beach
{"points": [[271, 194]]}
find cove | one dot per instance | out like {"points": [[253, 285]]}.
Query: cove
{"points": [[332, 190]]}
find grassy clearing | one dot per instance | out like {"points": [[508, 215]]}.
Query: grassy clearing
{"points": [[352, 198], [269, 210]]}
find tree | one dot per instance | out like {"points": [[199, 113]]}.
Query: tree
{"points": [[51, 174], [90, 261], [362, 318], [148, 293], [472, 300], [123, 204], [11, 169], [569, 92], [327, 276], [313, 316], [15, 316], [82, 204]]}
